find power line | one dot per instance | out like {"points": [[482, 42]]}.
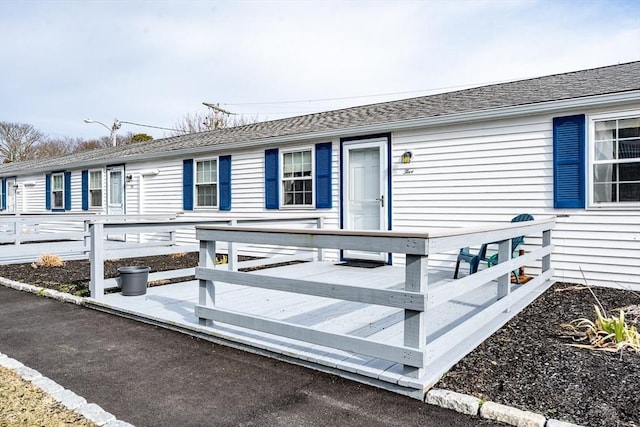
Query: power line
{"points": [[363, 96], [149, 126]]}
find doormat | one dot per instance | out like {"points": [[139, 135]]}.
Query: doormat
{"points": [[361, 264]]}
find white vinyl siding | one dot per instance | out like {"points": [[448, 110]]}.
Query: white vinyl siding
{"points": [[489, 172]]}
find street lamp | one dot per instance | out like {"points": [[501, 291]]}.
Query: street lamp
{"points": [[113, 129]]}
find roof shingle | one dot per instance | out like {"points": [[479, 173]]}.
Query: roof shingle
{"points": [[578, 84]]}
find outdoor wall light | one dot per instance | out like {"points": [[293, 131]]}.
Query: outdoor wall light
{"points": [[406, 157], [129, 178], [149, 172]]}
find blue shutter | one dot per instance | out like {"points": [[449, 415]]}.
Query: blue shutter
{"points": [[187, 184], [569, 162], [47, 191], [271, 178], [85, 190], [224, 182], [323, 176], [3, 194], [67, 191]]}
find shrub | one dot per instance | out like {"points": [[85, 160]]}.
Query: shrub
{"points": [[50, 260]]}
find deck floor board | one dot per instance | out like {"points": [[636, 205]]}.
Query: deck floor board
{"points": [[174, 305]]}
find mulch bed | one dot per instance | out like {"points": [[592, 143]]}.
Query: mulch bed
{"points": [[527, 364]]}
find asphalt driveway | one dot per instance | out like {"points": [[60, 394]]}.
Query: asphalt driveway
{"points": [[150, 376]]}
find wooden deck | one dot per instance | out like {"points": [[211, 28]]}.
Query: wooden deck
{"points": [[172, 306]]}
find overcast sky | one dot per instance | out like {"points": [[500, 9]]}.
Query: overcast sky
{"points": [[152, 62]]}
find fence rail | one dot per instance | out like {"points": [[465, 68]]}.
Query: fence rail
{"points": [[100, 248]]}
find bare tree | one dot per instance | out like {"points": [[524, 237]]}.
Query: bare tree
{"points": [[209, 120], [54, 147], [17, 141]]}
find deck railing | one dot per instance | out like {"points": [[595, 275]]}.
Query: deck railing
{"points": [[416, 297], [101, 248], [24, 237]]}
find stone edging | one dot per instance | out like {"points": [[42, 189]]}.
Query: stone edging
{"points": [[458, 402], [470, 405], [65, 397]]}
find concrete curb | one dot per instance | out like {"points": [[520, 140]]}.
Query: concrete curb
{"points": [[458, 402], [471, 405], [49, 293], [66, 398]]}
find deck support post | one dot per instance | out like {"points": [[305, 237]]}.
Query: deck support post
{"points": [[96, 260], [232, 250], [17, 230], [206, 288], [320, 226], [546, 241], [504, 282], [415, 333]]}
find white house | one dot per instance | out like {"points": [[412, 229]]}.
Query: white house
{"points": [[565, 145]]}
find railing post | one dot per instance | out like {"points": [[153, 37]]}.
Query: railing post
{"points": [[546, 241], [415, 334], [17, 230], [504, 282], [232, 251], [320, 226], [206, 288], [96, 260]]}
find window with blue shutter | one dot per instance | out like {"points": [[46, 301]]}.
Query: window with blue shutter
{"points": [[271, 179], [187, 184], [85, 190], [47, 191], [67, 191], [569, 162], [323, 176], [224, 182]]}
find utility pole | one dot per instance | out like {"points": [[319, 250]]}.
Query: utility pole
{"points": [[217, 123]]}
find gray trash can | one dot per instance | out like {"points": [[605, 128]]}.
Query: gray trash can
{"points": [[133, 280]]}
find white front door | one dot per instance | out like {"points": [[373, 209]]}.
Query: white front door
{"points": [[116, 196], [11, 195], [115, 190], [365, 175]]}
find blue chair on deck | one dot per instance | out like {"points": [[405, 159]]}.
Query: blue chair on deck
{"points": [[474, 259]]}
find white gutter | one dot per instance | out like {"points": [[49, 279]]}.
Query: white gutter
{"points": [[467, 117]]}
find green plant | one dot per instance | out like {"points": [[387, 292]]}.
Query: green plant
{"points": [[221, 259], [611, 333], [606, 332]]}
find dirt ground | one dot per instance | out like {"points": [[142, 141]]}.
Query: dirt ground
{"points": [[528, 363]]}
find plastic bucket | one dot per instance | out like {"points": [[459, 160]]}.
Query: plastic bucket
{"points": [[133, 280]]}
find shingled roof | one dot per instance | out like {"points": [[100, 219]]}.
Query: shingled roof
{"points": [[558, 87]]}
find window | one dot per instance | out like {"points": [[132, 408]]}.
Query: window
{"points": [[57, 190], [615, 166], [206, 185], [95, 189], [297, 178]]}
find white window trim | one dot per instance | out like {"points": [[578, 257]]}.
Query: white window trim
{"points": [[313, 177], [196, 206], [102, 176], [591, 148], [53, 191]]}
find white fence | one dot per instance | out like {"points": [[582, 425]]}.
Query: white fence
{"points": [[414, 299], [101, 249]]}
